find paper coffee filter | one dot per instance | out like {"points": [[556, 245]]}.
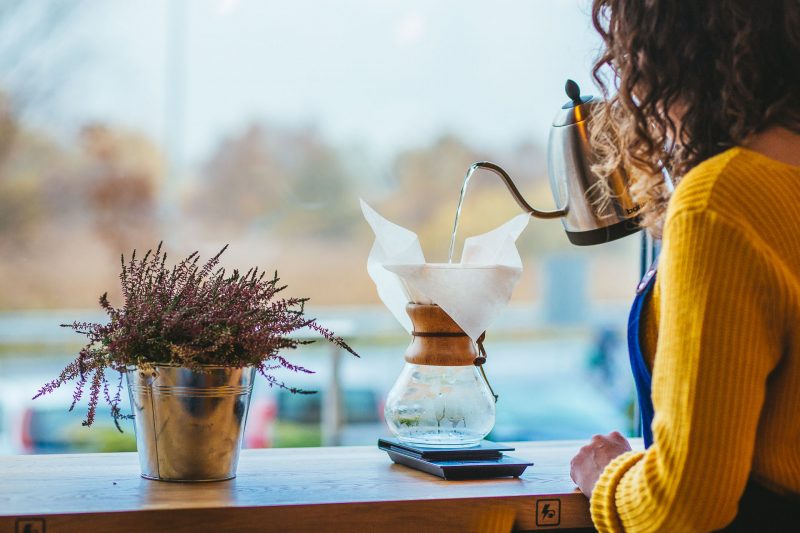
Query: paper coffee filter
{"points": [[472, 292]]}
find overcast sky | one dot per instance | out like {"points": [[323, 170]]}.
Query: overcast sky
{"points": [[383, 74]]}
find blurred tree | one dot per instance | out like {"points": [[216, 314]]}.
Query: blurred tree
{"points": [[428, 181], [241, 182], [428, 185], [34, 60], [8, 125], [288, 182], [24, 175], [431, 175], [122, 173], [321, 199]]}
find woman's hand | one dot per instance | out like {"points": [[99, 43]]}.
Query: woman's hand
{"points": [[592, 459]]}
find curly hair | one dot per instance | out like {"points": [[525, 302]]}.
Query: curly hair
{"points": [[685, 81]]}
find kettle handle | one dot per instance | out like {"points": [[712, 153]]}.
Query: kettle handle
{"points": [[512, 188]]}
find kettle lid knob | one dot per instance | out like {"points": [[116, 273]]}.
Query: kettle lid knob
{"points": [[573, 91]]}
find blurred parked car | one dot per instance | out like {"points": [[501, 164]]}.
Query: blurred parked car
{"points": [[299, 418], [361, 406], [46, 425], [554, 411], [54, 429]]}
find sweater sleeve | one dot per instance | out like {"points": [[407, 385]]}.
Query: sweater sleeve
{"points": [[718, 341]]}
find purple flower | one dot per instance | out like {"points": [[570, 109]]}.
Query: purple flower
{"points": [[188, 315]]}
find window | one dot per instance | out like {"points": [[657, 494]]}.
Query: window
{"points": [[260, 124]]}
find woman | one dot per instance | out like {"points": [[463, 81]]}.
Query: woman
{"points": [[708, 91]]}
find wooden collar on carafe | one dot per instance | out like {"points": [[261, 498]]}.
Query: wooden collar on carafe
{"points": [[438, 340]]}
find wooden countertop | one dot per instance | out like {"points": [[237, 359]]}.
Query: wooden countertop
{"points": [[288, 490]]}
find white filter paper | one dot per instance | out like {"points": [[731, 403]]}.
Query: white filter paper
{"points": [[473, 291]]}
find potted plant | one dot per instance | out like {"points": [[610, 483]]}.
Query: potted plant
{"points": [[189, 340]]}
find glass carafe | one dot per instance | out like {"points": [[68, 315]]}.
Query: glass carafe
{"points": [[440, 399]]}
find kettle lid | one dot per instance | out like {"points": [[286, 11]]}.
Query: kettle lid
{"points": [[575, 110]]}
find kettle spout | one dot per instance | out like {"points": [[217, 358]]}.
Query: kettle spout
{"points": [[512, 188]]}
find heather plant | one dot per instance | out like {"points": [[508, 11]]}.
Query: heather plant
{"points": [[188, 315]]}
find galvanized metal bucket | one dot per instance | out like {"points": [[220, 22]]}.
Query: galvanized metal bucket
{"points": [[189, 424]]}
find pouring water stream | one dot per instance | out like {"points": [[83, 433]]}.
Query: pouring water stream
{"points": [[467, 177]]}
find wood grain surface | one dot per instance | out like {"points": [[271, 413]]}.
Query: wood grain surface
{"points": [[312, 489]]}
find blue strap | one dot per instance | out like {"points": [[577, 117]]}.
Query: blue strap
{"points": [[641, 374]]}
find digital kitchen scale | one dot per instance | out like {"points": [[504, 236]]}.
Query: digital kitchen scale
{"points": [[483, 461]]}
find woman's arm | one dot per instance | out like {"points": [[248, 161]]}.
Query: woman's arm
{"points": [[718, 341]]}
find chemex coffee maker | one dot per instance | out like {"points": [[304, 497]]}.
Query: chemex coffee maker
{"points": [[442, 407], [589, 217]]}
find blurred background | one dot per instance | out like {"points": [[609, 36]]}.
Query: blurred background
{"points": [[260, 124]]}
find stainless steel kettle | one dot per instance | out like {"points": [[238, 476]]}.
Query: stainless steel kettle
{"points": [[586, 219]]}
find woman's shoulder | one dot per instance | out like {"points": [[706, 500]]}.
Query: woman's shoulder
{"points": [[700, 187], [737, 184]]}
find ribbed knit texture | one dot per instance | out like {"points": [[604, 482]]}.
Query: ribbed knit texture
{"points": [[725, 325]]}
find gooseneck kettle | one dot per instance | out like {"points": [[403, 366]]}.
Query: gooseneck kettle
{"points": [[588, 217]]}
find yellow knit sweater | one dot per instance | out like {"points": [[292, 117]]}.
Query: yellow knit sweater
{"points": [[725, 324]]}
